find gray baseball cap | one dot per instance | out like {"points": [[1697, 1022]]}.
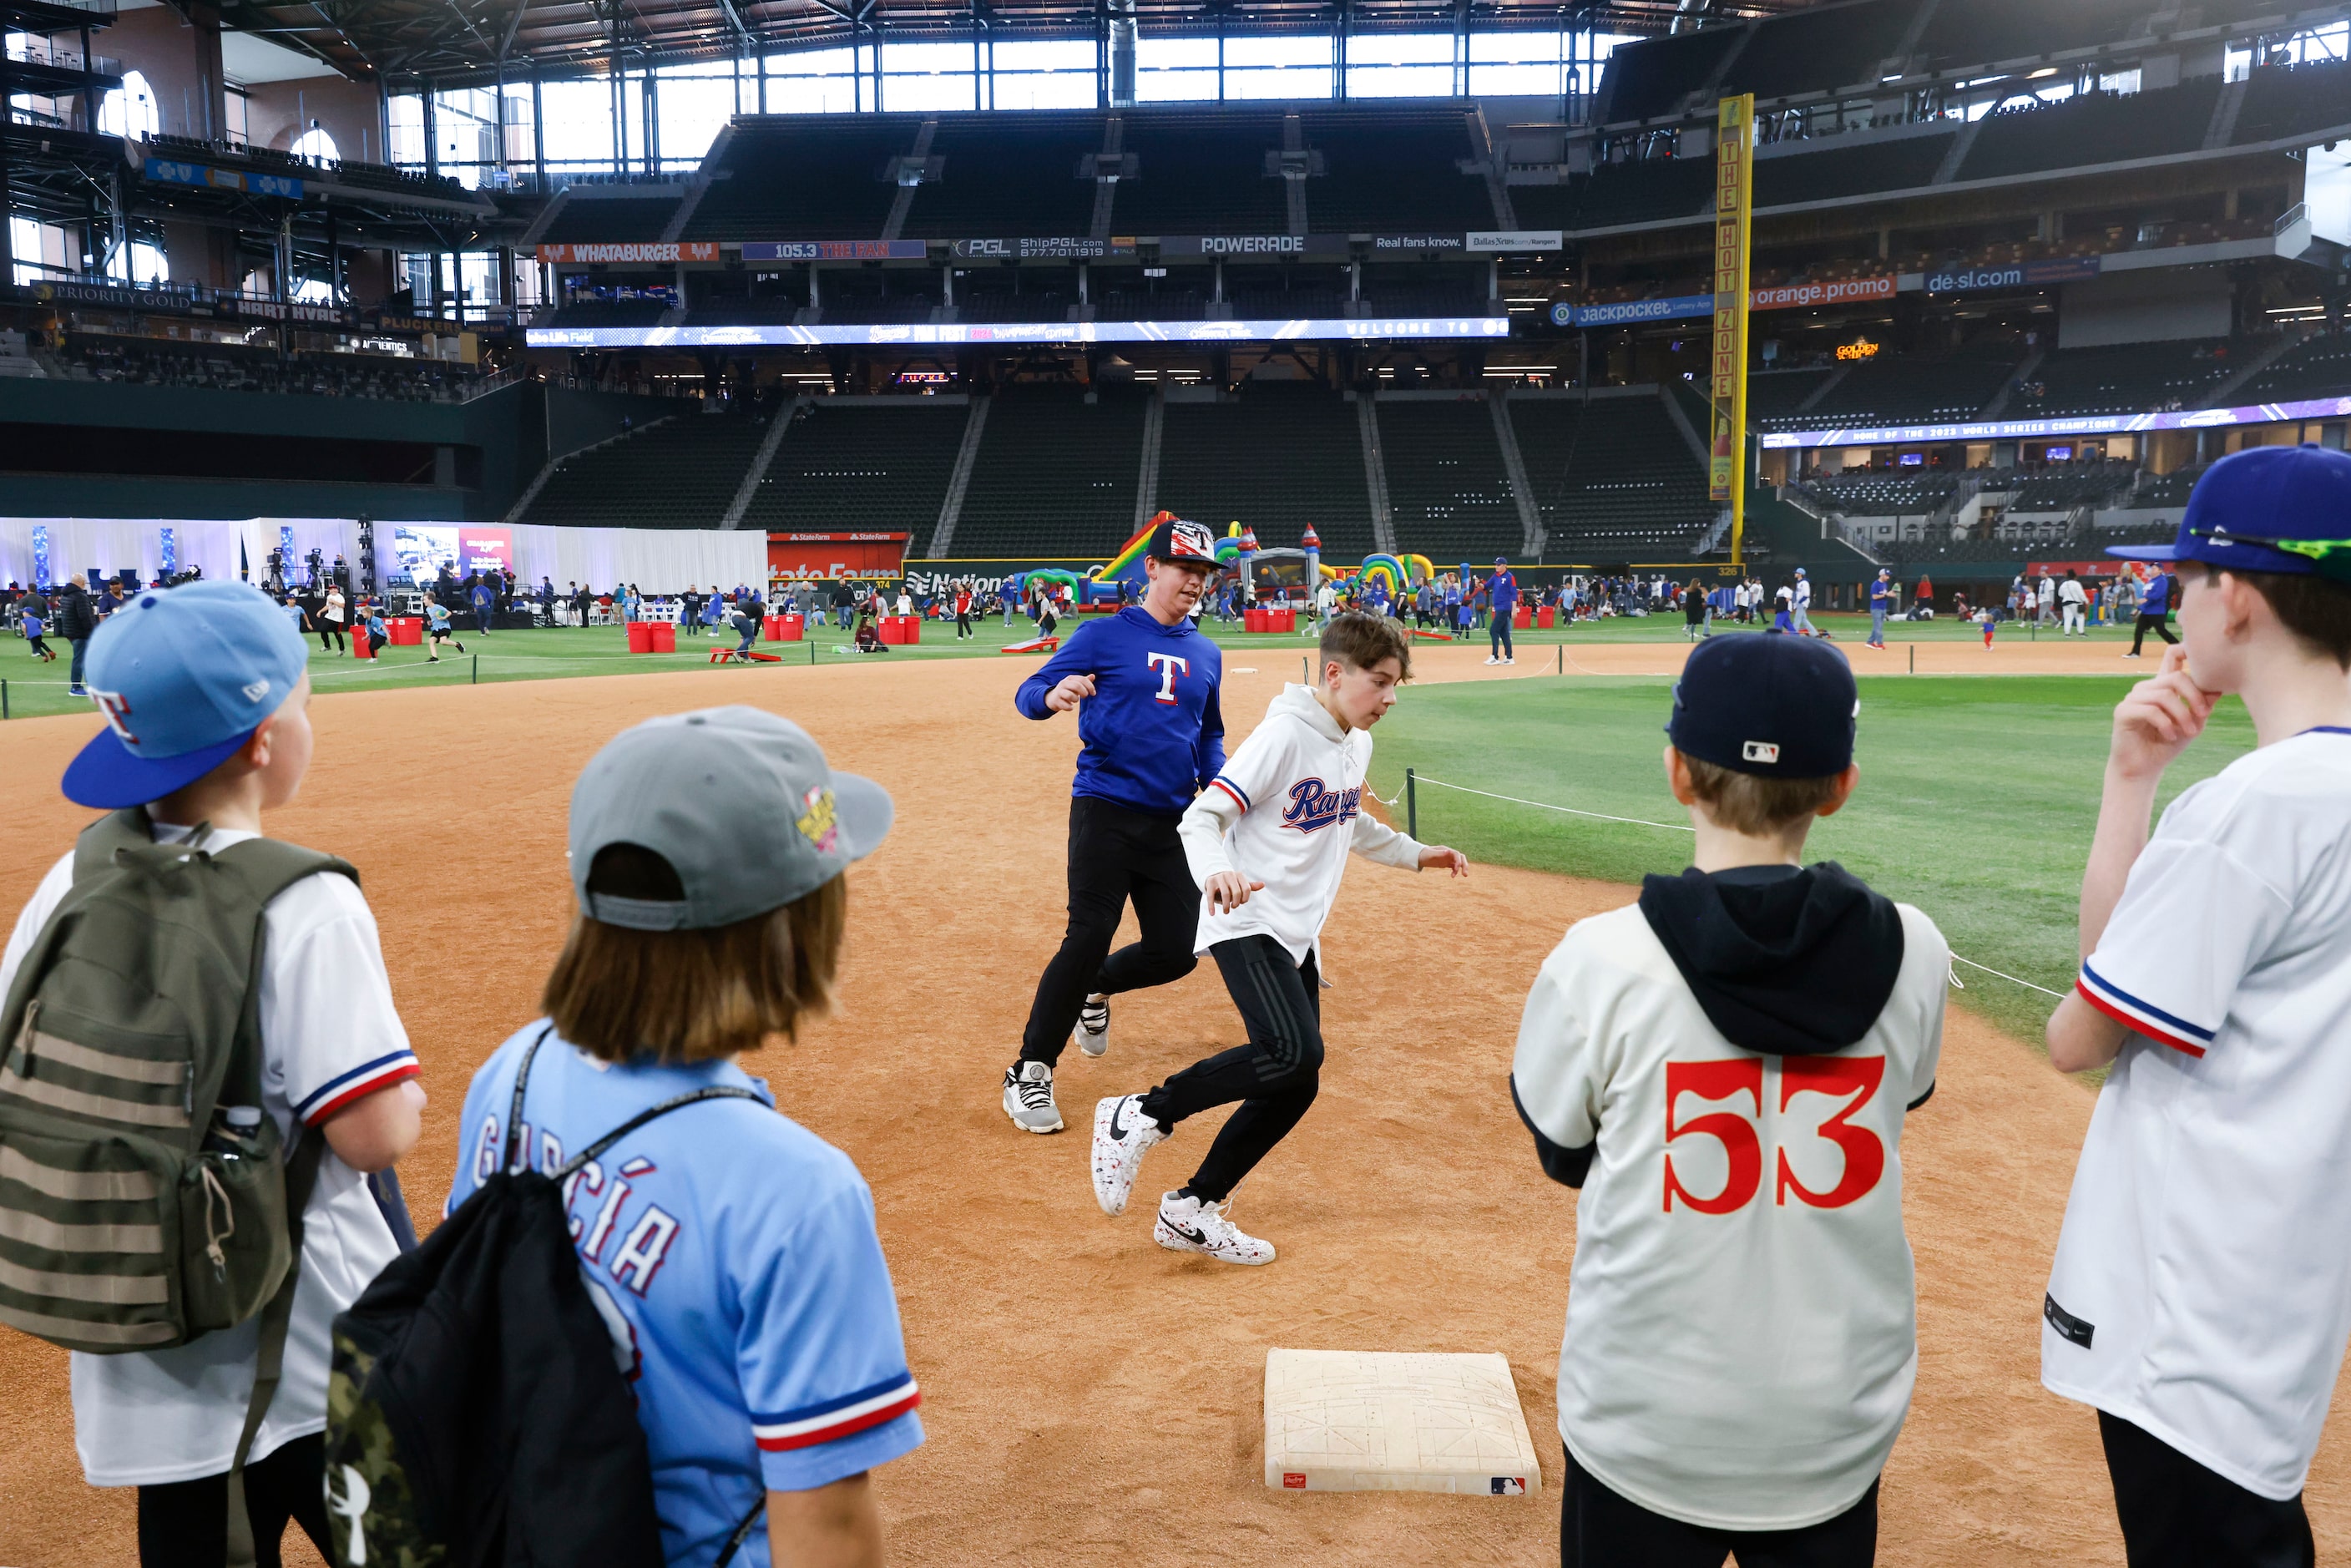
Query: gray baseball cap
{"points": [[740, 803]]}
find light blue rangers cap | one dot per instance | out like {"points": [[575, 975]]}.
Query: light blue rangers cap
{"points": [[740, 802], [184, 675]]}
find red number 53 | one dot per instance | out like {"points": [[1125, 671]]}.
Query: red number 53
{"points": [[1742, 1144]]}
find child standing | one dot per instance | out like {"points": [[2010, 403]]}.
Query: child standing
{"points": [[204, 694], [1723, 1069], [2195, 1300], [1278, 820]]}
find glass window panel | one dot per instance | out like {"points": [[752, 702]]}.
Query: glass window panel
{"points": [[1175, 54], [692, 110], [407, 119], [1542, 81], [1298, 82], [1057, 89], [813, 63], [1398, 82], [130, 109], [911, 90], [1175, 86], [927, 59], [1307, 51], [578, 123], [1400, 49], [1054, 55]]}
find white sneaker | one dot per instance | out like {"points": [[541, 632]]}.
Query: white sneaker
{"points": [[1092, 1033], [1122, 1134], [1029, 1097], [1492, 660], [1511, 661], [1188, 1225]]}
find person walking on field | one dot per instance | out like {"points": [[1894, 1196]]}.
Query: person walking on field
{"points": [[2153, 612], [1267, 842], [76, 622], [2073, 601], [963, 611], [1694, 611], [1146, 685], [2199, 1298], [1881, 600], [1723, 1069], [330, 620], [1502, 590], [483, 599]]}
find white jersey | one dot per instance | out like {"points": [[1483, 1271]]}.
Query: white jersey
{"points": [[1741, 1323], [2069, 592], [1804, 592], [1285, 812], [2201, 1289]]}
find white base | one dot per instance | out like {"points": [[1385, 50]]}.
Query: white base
{"points": [[1342, 1420]]}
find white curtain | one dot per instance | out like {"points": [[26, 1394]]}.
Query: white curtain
{"points": [[111, 546], [658, 560]]}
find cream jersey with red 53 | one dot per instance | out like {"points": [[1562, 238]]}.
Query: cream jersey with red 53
{"points": [[1741, 1330], [1285, 809]]}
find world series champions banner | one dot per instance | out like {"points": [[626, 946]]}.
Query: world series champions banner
{"points": [[1734, 165]]}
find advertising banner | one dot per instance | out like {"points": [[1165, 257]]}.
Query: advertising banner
{"points": [[1623, 313], [793, 556], [1016, 333], [2078, 425], [1023, 249], [170, 172], [1420, 242], [112, 297], [1516, 240], [632, 252], [419, 551], [835, 250], [2015, 275], [484, 549], [1836, 291], [1214, 246]]}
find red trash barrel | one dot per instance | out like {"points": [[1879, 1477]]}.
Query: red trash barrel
{"points": [[1252, 620], [787, 628], [1523, 617], [1282, 620], [664, 636], [1547, 617], [641, 637], [910, 628], [407, 631], [359, 649]]}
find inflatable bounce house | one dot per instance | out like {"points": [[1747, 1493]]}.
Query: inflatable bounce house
{"points": [[1384, 576]]}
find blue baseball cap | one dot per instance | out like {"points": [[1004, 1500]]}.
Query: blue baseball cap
{"points": [[1781, 708], [185, 676], [2268, 508]]}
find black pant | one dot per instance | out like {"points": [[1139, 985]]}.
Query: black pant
{"points": [[1115, 856], [330, 636], [1600, 1528], [2147, 623], [2175, 1513], [184, 1524], [1274, 1076], [963, 624]]}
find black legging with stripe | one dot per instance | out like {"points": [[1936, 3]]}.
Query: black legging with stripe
{"points": [[1274, 1076]]}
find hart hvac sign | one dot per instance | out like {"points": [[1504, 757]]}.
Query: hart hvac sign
{"points": [[628, 253], [2016, 274]]}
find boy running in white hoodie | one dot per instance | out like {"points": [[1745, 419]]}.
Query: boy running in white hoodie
{"points": [[1277, 821]]}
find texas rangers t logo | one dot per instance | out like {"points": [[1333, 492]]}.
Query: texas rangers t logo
{"points": [[1169, 667]]}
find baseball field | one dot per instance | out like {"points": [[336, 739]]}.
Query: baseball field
{"points": [[1090, 1398]]}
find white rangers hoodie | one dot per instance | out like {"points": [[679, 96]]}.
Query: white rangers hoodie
{"points": [[1285, 812]]}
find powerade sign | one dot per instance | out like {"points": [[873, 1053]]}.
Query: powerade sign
{"points": [[2016, 274], [1215, 246], [1623, 313]]}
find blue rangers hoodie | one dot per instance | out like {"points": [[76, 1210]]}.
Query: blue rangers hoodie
{"points": [[1154, 731]]}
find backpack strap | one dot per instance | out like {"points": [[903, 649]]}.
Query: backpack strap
{"points": [[269, 1363], [571, 1167]]}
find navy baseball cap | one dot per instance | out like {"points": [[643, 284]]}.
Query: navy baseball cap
{"points": [[2285, 509], [1183, 543], [184, 675], [1781, 708]]}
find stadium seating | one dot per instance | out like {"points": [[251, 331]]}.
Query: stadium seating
{"points": [[1904, 392], [1635, 193], [1055, 475], [1008, 175], [1614, 480], [2094, 127], [1200, 172], [984, 307], [1774, 394], [605, 220], [2166, 489], [2058, 490], [1828, 171], [1978, 32], [1881, 494], [2314, 368], [881, 466], [1282, 456], [803, 177], [682, 473], [1643, 80], [2287, 100], [607, 313], [142, 363], [1448, 496], [1393, 167], [1830, 46], [2127, 378]]}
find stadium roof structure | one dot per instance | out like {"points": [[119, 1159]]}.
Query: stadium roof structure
{"points": [[459, 42]]}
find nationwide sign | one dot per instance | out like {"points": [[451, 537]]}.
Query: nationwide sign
{"points": [[628, 252], [1836, 291], [168, 172], [2016, 274], [1016, 332], [2084, 425]]}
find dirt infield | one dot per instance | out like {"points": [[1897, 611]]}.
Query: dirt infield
{"points": [[1091, 1399]]}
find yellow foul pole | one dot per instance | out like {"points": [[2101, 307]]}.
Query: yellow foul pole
{"points": [[1734, 177]]}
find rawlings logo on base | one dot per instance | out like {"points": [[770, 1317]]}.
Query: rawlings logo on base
{"points": [[1293, 1481]]}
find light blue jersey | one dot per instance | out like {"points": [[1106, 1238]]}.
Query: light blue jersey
{"points": [[733, 1253]]}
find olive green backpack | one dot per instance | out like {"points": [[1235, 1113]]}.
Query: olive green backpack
{"points": [[145, 1199]]}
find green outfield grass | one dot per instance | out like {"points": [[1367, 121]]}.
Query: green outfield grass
{"points": [[1977, 800]]}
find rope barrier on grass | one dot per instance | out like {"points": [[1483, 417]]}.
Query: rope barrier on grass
{"points": [[1957, 984]]}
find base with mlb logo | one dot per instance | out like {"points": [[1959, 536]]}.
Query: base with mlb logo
{"points": [[1342, 1420]]}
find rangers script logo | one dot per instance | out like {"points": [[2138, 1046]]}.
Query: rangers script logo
{"points": [[1313, 807]]}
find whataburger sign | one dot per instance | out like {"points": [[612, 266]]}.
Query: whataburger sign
{"points": [[659, 251]]}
